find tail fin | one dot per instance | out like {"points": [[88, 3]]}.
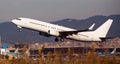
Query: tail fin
{"points": [[113, 51], [16, 51], [27, 52], [103, 29]]}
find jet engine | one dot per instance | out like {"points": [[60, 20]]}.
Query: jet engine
{"points": [[53, 32], [44, 34]]}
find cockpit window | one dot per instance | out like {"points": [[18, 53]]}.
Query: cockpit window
{"points": [[18, 19]]}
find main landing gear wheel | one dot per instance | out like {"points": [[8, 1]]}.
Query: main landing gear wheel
{"points": [[56, 39], [61, 39]]}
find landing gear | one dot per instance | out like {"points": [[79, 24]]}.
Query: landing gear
{"points": [[61, 39], [20, 30], [56, 39]]}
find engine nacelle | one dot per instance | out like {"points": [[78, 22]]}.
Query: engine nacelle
{"points": [[44, 34], [52, 32]]}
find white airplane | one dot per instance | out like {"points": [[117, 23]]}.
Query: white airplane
{"points": [[109, 54], [48, 29], [16, 54]]}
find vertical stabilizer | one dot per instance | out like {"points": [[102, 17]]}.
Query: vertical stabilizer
{"points": [[103, 29], [113, 51], [16, 51]]}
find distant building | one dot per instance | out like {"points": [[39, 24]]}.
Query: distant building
{"points": [[3, 49], [20, 45]]}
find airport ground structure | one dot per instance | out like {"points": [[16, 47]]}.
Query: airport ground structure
{"points": [[63, 53]]}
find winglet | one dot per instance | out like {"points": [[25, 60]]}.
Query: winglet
{"points": [[91, 27]]}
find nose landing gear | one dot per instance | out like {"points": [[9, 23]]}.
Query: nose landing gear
{"points": [[19, 28]]}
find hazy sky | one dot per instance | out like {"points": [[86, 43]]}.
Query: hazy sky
{"points": [[52, 10]]}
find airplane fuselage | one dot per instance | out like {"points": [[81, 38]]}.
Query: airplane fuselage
{"points": [[54, 30]]}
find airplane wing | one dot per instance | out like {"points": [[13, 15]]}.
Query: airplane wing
{"points": [[66, 33]]}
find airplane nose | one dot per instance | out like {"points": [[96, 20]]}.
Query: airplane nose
{"points": [[14, 21]]}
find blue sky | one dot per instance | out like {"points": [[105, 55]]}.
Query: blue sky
{"points": [[52, 10]]}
